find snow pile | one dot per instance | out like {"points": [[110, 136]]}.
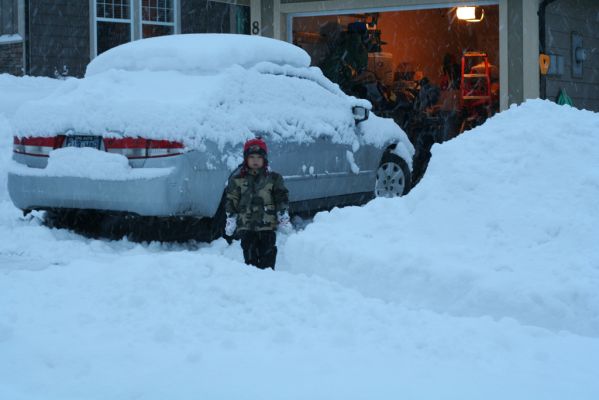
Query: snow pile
{"points": [[89, 163], [480, 284], [198, 53], [94, 319], [505, 223], [14, 91]]}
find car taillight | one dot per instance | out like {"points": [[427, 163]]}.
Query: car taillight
{"points": [[17, 145], [37, 146], [143, 148], [164, 148]]}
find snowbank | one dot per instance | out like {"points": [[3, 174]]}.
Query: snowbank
{"points": [[94, 319], [480, 284], [505, 223], [14, 91], [198, 53]]}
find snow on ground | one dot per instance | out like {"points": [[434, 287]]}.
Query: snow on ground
{"points": [[478, 284], [505, 223]]}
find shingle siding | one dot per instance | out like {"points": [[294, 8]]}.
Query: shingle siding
{"points": [[11, 58], [203, 16], [563, 18], [59, 37], [59, 32]]}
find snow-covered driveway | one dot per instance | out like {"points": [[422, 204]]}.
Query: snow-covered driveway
{"points": [[482, 283], [93, 319]]}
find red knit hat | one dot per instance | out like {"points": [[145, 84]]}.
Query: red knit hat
{"points": [[255, 146]]}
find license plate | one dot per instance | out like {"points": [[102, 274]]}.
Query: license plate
{"points": [[84, 141]]}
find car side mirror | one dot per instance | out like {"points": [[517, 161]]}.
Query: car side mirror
{"points": [[360, 113]]}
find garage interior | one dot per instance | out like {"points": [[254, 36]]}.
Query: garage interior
{"points": [[434, 71]]}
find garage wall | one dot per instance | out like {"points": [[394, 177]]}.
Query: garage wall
{"points": [[422, 38], [562, 18]]}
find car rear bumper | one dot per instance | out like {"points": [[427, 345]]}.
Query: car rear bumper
{"points": [[153, 196], [164, 187]]}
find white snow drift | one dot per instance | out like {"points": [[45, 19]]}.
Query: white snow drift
{"points": [[505, 223], [480, 284]]}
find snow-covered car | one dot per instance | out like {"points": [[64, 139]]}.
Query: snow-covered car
{"points": [[156, 128]]}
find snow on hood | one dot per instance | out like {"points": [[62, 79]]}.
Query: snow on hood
{"points": [[198, 53], [505, 223]]}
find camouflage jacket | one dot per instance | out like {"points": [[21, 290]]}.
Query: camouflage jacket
{"points": [[256, 199]]}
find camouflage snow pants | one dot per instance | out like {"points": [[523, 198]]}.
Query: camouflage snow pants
{"points": [[259, 248]]}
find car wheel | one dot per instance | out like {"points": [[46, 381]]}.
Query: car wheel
{"points": [[89, 223], [393, 177]]}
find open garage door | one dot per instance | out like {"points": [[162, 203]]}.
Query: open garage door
{"points": [[434, 71]]}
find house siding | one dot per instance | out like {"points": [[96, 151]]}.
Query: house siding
{"points": [[562, 18], [202, 16], [59, 37], [11, 58]]}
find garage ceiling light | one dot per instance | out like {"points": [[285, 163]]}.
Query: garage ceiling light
{"points": [[469, 14]]}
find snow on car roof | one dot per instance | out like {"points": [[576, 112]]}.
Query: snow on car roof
{"points": [[198, 53], [226, 108], [290, 102]]}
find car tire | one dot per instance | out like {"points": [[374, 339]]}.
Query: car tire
{"points": [[89, 223], [393, 177]]}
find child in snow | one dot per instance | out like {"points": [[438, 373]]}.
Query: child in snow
{"points": [[256, 205]]}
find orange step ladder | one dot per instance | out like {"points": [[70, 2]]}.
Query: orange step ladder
{"points": [[467, 88], [475, 90]]}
